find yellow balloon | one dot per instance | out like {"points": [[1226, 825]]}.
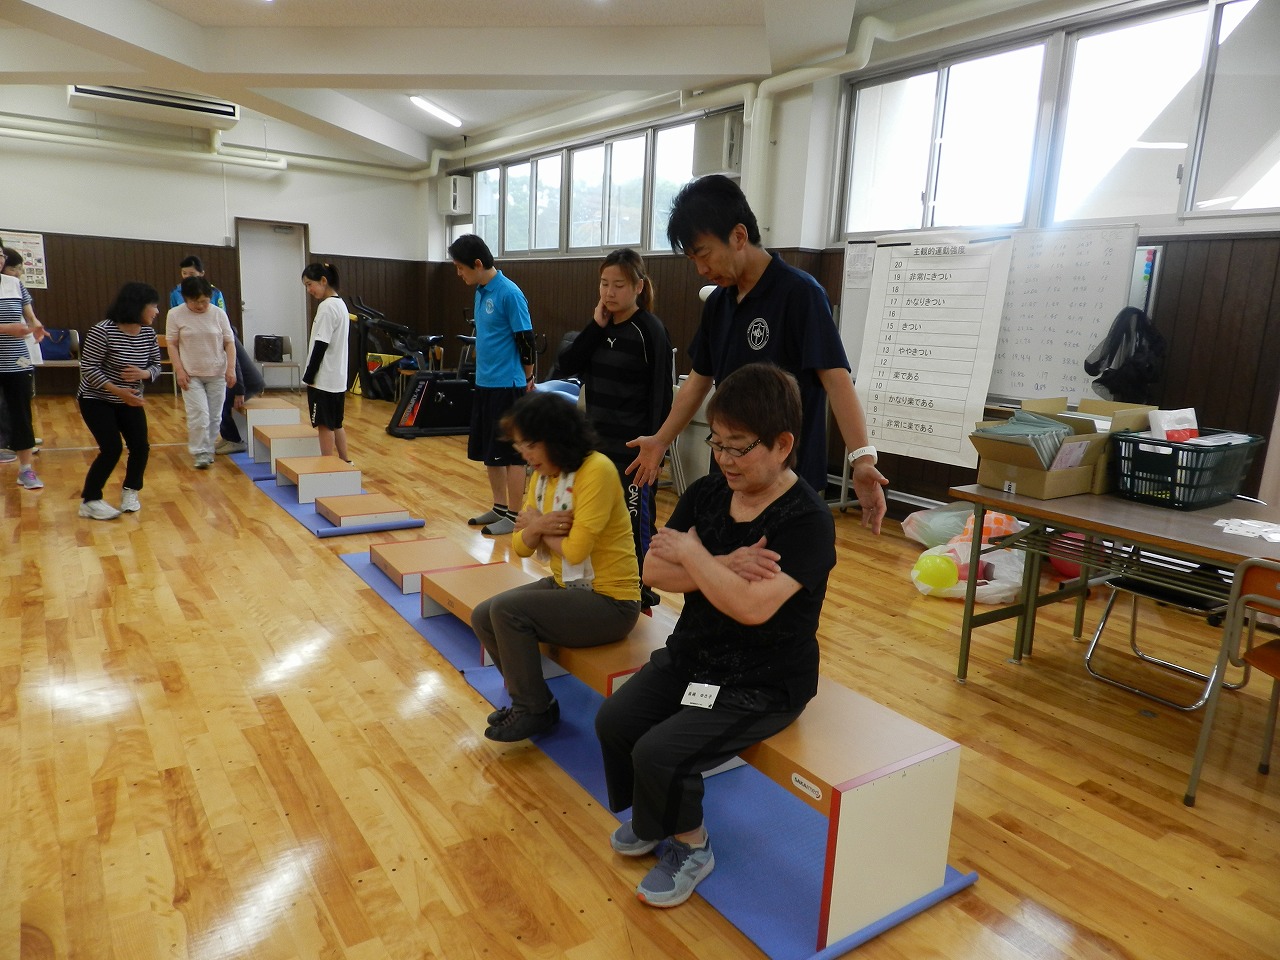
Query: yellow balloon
{"points": [[937, 571]]}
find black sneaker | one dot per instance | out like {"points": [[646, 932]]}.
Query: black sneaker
{"points": [[648, 598], [498, 715], [518, 725]]}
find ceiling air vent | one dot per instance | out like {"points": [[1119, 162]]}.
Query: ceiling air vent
{"points": [[164, 106]]}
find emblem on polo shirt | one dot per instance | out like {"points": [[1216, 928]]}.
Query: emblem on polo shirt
{"points": [[488, 306], [758, 333]]}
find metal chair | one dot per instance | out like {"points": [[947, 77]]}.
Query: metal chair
{"points": [[166, 365], [1255, 589], [1191, 589]]}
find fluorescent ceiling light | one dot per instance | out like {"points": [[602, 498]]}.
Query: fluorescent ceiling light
{"points": [[435, 111]]}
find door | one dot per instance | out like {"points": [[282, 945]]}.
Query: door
{"points": [[272, 257]]}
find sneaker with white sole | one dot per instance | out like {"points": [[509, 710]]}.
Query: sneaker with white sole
{"points": [[624, 841], [7, 456], [27, 478], [203, 461], [680, 869], [129, 501], [98, 510], [226, 447]]}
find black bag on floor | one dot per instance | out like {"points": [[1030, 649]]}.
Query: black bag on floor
{"points": [[268, 348]]}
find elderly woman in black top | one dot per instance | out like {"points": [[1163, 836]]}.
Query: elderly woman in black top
{"points": [[751, 548]]}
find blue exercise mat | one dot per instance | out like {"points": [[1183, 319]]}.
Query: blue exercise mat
{"points": [[769, 845], [254, 471], [305, 513]]}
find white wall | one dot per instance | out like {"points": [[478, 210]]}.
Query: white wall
{"points": [[94, 192], [798, 207]]}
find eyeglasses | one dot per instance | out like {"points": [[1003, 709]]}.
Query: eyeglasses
{"points": [[735, 452]]}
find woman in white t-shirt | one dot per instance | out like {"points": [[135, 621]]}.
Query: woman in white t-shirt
{"points": [[326, 374], [203, 350]]}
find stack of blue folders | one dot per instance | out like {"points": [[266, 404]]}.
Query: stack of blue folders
{"points": [[1043, 434]]}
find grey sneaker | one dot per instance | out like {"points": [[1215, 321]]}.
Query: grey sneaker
{"points": [[679, 870], [225, 447], [624, 841], [28, 479], [129, 501], [98, 510], [203, 461], [7, 456]]}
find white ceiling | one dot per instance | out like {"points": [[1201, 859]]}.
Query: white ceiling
{"points": [[343, 69]]}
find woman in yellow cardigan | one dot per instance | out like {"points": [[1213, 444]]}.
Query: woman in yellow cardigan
{"points": [[575, 518]]}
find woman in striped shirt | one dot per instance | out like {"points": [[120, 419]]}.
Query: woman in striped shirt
{"points": [[117, 356]]}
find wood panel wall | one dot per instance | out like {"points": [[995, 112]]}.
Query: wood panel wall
{"points": [[1217, 304], [86, 272]]}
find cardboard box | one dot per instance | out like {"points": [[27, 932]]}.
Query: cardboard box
{"points": [[1015, 467]]}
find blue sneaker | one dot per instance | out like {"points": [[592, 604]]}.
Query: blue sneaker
{"points": [[625, 842], [680, 869]]}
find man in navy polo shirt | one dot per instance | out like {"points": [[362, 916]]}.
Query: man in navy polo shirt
{"points": [[764, 310]]}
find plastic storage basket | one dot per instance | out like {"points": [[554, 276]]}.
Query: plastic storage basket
{"points": [[1184, 476]]}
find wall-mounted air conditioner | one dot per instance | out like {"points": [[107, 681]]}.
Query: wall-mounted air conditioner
{"points": [[164, 106], [454, 196], [717, 145]]}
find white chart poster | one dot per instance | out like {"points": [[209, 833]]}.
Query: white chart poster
{"points": [[31, 246], [929, 343]]}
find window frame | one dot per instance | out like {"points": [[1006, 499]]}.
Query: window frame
{"points": [[1047, 146], [565, 153]]}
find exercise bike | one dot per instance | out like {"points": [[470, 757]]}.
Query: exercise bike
{"points": [[435, 402]]}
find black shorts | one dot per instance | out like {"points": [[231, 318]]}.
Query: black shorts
{"points": [[326, 408], [488, 406]]}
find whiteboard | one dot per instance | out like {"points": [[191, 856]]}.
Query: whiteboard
{"points": [[928, 343], [1065, 288], [855, 295]]}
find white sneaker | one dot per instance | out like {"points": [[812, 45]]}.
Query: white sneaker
{"points": [[129, 501], [98, 510]]}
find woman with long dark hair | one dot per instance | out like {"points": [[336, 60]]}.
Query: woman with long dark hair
{"points": [[623, 358]]}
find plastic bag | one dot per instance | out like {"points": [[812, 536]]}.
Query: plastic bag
{"points": [[937, 525], [1005, 575]]}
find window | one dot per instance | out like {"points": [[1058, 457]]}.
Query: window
{"points": [[1151, 117], [626, 192], [984, 111], [892, 133], [672, 169], [988, 137], [1239, 161], [488, 200], [516, 232], [587, 197], [1130, 108], [546, 220]]}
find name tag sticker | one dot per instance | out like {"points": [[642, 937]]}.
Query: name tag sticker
{"points": [[700, 695]]}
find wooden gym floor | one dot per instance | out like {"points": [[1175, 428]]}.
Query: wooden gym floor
{"points": [[215, 742]]}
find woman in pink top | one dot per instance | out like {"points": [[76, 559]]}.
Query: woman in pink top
{"points": [[203, 352]]}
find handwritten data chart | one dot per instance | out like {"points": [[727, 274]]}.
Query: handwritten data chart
{"points": [[1065, 289], [929, 344]]}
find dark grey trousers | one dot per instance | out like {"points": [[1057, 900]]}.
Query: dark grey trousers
{"points": [[512, 624]]}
